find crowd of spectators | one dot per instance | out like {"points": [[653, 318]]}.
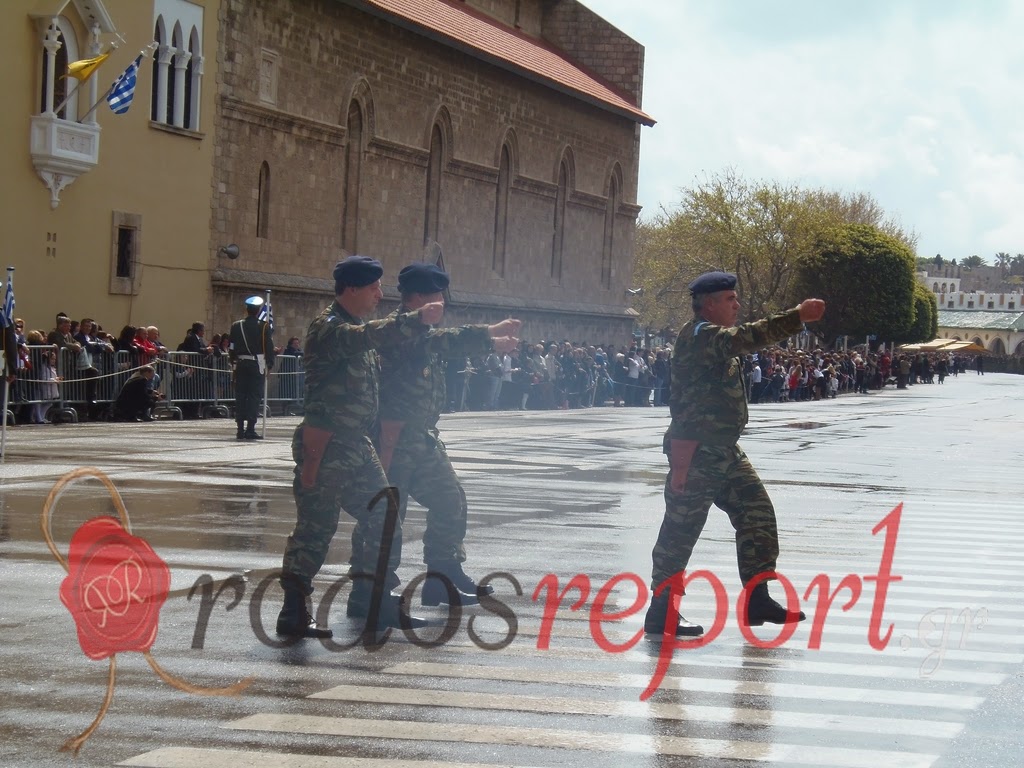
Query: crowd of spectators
{"points": [[83, 354], [536, 376], [547, 375]]}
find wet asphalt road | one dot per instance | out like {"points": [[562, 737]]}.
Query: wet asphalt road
{"points": [[551, 494]]}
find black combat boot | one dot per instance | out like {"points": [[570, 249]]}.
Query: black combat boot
{"points": [[251, 433], [391, 614], [240, 434], [295, 619], [654, 622], [439, 588], [440, 574], [762, 608]]}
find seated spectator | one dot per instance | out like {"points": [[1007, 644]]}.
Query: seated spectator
{"points": [[153, 334], [136, 399], [294, 347], [125, 339], [195, 340]]}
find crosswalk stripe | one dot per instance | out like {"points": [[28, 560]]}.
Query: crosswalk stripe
{"points": [[789, 754], [794, 666], [706, 685], [579, 631], [643, 710], [190, 757]]}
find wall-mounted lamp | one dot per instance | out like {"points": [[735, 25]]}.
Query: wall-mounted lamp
{"points": [[231, 251]]}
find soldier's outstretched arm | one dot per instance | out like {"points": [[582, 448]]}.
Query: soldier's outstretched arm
{"points": [[724, 343], [340, 339]]}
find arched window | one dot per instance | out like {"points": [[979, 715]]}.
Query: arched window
{"points": [[189, 103], [59, 47], [608, 250], [176, 79], [435, 166], [158, 104], [935, 288], [558, 232], [353, 169], [501, 211], [263, 201], [943, 287]]}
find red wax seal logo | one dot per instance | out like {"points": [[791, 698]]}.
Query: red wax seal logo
{"points": [[115, 587]]}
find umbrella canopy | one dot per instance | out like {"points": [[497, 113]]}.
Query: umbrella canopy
{"points": [[944, 345]]}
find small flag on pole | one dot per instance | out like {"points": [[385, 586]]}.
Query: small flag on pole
{"points": [[123, 89], [7, 312], [267, 315], [81, 70]]}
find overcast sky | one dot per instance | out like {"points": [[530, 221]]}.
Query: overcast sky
{"points": [[918, 102]]}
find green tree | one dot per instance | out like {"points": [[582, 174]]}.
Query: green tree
{"points": [[758, 230], [970, 262], [866, 277], [1003, 262], [925, 325]]}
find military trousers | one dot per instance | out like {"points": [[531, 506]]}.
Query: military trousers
{"points": [[421, 470], [349, 477], [248, 390], [723, 476]]}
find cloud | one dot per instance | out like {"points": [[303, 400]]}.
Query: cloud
{"points": [[914, 103]]}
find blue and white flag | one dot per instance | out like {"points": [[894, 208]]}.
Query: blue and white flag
{"points": [[7, 313], [267, 315], [123, 90]]}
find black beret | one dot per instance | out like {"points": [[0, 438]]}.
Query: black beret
{"points": [[712, 282], [422, 278], [357, 271]]}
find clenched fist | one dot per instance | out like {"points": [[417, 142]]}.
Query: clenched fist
{"points": [[811, 310], [431, 313], [509, 327]]}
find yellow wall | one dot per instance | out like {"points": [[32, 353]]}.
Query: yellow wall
{"points": [[166, 178]]}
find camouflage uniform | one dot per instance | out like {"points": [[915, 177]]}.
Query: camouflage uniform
{"points": [[412, 396], [250, 337], [341, 400], [709, 407]]}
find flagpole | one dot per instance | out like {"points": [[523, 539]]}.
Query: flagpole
{"points": [[144, 53], [7, 384], [266, 376]]}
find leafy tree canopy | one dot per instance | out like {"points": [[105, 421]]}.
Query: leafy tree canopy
{"points": [[866, 277], [759, 230]]}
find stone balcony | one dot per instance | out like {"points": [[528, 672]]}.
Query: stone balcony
{"points": [[62, 151]]}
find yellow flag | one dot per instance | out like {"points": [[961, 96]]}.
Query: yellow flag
{"points": [[81, 70]]}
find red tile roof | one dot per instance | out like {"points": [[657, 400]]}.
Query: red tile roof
{"points": [[461, 27]]}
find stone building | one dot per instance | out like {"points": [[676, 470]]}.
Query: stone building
{"points": [[505, 131]]}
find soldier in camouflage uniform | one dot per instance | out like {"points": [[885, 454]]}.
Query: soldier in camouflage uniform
{"points": [[709, 411], [412, 396], [335, 462]]}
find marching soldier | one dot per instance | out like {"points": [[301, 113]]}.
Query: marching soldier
{"points": [[709, 411], [413, 394], [252, 354], [336, 464]]}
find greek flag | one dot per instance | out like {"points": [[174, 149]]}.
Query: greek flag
{"points": [[7, 313], [123, 89], [267, 315]]}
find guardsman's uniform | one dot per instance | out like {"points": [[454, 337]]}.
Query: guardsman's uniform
{"points": [[252, 354]]}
